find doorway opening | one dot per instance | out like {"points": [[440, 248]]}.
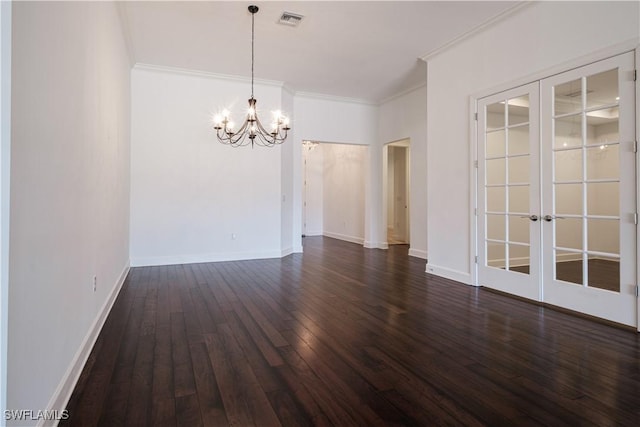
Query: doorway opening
{"points": [[396, 191], [333, 200]]}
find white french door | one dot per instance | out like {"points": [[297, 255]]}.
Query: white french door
{"points": [[509, 192], [578, 176], [589, 191]]}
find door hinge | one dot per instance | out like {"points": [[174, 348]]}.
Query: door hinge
{"points": [[635, 146], [637, 294], [635, 75], [475, 164], [635, 218], [475, 116], [475, 211], [476, 259]]}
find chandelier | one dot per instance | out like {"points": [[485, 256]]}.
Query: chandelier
{"points": [[252, 131]]}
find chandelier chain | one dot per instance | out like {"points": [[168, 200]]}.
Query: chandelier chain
{"points": [[253, 19]]}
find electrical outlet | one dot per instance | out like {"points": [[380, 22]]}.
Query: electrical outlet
{"points": [[95, 283]]}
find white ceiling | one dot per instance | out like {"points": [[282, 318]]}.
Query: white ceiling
{"points": [[366, 50]]}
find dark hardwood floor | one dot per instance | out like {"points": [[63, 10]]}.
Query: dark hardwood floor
{"points": [[342, 335]]}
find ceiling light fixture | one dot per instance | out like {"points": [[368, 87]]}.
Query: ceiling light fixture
{"points": [[251, 132]]}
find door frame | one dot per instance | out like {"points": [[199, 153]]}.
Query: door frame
{"points": [[627, 46]]}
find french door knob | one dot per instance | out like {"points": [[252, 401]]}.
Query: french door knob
{"points": [[531, 217]]}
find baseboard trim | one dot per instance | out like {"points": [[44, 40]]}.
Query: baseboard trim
{"points": [[286, 251], [448, 273], [418, 253], [352, 239], [63, 392]]}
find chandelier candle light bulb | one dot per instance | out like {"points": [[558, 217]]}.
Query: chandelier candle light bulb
{"points": [[251, 132]]}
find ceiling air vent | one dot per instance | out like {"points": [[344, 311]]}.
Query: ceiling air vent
{"points": [[290, 19]]}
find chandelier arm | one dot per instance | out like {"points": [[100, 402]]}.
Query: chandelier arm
{"points": [[264, 134], [273, 138], [235, 138], [269, 140]]}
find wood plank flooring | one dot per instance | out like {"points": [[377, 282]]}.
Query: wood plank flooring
{"points": [[346, 336]]}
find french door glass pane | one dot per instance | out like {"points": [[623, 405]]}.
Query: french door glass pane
{"points": [[568, 199], [495, 116], [519, 258], [568, 97], [602, 89], [519, 170], [604, 235], [568, 132], [519, 199], [569, 233], [604, 198], [496, 254], [568, 165], [496, 201], [603, 162], [518, 229], [602, 126], [518, 110], [568, 267], [495, 144], [604, 273], [519, 140], [496, 227], [495, 171]]}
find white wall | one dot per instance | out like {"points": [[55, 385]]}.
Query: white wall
{"points": [[335, 120], [346, 121], [537, 37], [192, 198], [69, 192], [290, 238], [343, 191], [404, 117], [5, 157], [313, 176]]}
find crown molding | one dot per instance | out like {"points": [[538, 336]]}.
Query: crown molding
{"points": [[276, 83], [334, 98], [291, 91], [205, 74], [491, 22], [402, 93]]}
